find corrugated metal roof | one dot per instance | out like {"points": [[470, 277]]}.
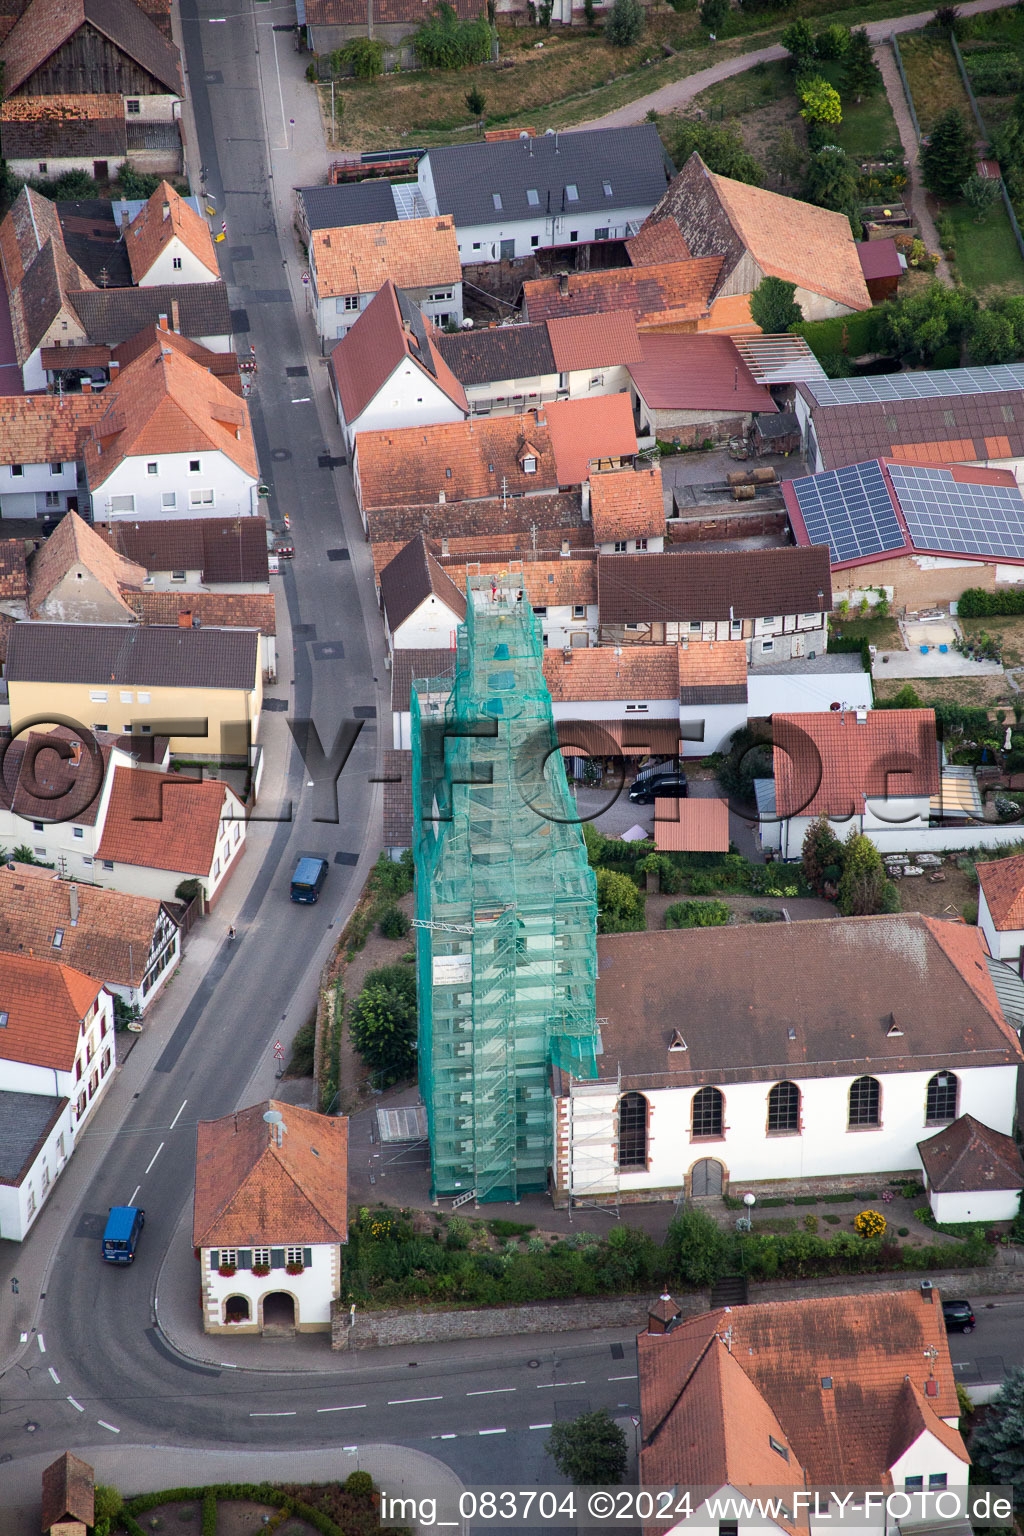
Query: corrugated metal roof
{"points": [[1009, 990], [780, 359]]}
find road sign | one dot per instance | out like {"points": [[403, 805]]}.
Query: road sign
{"points": [[279, 1050], [305, 279]]}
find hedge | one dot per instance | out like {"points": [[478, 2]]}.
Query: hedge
{"points": [[976, 603], [209, 1497], [842, 645]]}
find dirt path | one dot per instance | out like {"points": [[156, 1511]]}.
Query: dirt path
{"points": [[670, 98], [915, 195]]}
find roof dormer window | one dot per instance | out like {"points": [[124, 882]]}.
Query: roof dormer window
{"points": [[533, 197], [607, 188], [572, 193], [496, 200], [778, 1447], [529, 464]]}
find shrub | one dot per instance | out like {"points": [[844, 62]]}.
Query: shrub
{"points": [[359, 1484], [620, 904], [383, 1022], [502, 1228], [303, 1049], [832, 1219], [392, 877], [476, 101], [185, 890], [969, 913], [798, 41], [445, 42], [773, 307], [393, 923], [810, 1222], [366, 56], [869, 1224], [137, 185], [904, 1231], [696, 914], [720, 146], [713, 13], [697, 1246], [625, 23], [819, 103], [832, 42]]}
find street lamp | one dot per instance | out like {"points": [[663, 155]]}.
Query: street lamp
{"points": [[743, 1222]]}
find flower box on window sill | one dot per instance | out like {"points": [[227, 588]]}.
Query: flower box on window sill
{"points": [[294, 1269], [227, 1270], [261, 1269]]}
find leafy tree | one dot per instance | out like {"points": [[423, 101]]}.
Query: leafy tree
{"points": [[713, 13], [626, 23], [136, 184], [822, 851], [750, 757], [590, 1449], [697, 1246], [860, 72], [785, 157], [819, 101], [997, 334], [907, 698], [997, 1446], [620, 903], [476, 101], [366, 56], [832, 42], [445, 42], [947, 160], [832, 183], [773, 307], [720, 146], [918, 325], [981, 193], [863, 881], [383, 1022], [798, 41]]}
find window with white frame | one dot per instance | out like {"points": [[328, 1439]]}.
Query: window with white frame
{"points": [[168, 500], [143, 698], [767, 645], [202, 498], [579, 611], [441, 296], [126, 696], [17, 471], [30, 1203], [52, 499], [619, 547], [261, 1258], [122, 503], [97, 696], [176, 263], [529, 464], [347, 304], [78, 832], [178, 575], [133, 106], [229, 1256], [45, 1180], [293, 1255], [640, 545], [194, 466]]}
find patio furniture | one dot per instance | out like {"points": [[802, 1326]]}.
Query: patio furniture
{"points": [[943, 650], [924, 650]]}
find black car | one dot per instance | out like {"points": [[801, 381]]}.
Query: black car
{"points": [[664, 784], [959, 1315]]}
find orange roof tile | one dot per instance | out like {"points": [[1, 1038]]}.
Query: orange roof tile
{"points": [[166, 216], [413, 253], [594, 340], [221, 610], [465, 460], [730, 313], [712, 663], [590, 433], [46, 429], [828, 764], [164, 821], [44, 1003], [691, 825], [603, 672], [627, 504], [165, 402], [952, 450], [547, 583], [72, 543], [109, 938], [667, 293], [389, 330], [655, 243], [251, 1191], [94, 108], [1002, 881], [998, 447]]}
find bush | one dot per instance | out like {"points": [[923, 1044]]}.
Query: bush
{"points": [[303, 1049], [904, 1231], [393, 923], [137, 185], [366, 57], [383, 1023], [360, 1484], [969, 913], [720, 146], [773, 307], [445, 42], [625, 23], [696, 914], [620, 904], [832, 42], [476, 101], [870, 1224], [819, 103], [391, 877]]}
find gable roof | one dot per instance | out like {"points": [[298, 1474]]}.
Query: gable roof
{"points": [[45, 1003], [656, 242], [249, 1190], [34, 127], [696, 373], [969, 1156], [865, 1347], [713, 672], [45, 25], [413, 576], [73, 543], [707, 584], [221, 549], [600, 673], [106, 935], [30, 221], [498, 353], [830, 763], [43, 294], [166, 402], [164, 217], [464, 460], [913, 1417], [594, 340], [627, 503], [811, 247], [165, 820], [222, 610], [630, 162], [592, 431], [224, 365], [68, 1491], [390, 329], [1002, 881], [879, 258], [672, 292], [113, 315], [35, 773], [413, 253], [46, 429], [354, 202], [121, 655]]}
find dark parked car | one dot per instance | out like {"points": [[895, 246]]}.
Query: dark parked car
{"points": [[663, 784], [959, 1316]]}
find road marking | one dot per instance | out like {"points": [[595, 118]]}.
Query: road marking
{"points": [[112, 1427], [71, 1400], [623, 1378], [40, 1342], [228, 1365], [547, 1386], [540, 1426], [489, 1391], [345, 1408], [53, 1373], [303, 400], [492, 1431], [280, 1413], [134, 1193], [156, 1154], [394, 1402], [178, 1115]]}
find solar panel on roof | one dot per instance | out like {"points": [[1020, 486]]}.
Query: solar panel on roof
{"points": [[850, 510], [964, 519], [934, 385]]}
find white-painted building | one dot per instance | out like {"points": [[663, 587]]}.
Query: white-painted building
{"points": [[972, 1172], [422, 606], [348, 266], [269, 1217], [169, 243], [1001, 907]]}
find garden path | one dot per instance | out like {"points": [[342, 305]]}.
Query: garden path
{"points": [[916, 196]]}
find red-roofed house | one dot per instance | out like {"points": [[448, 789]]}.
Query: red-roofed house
{"points": [[168, 242], [56, 1056], [694, 387], [972, 1173], [873, 769], [627, 509], [387, 371], [1001, 907], [590, 434]]}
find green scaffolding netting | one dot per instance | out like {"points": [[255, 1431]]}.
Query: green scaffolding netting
{"points": [[506, 906]]}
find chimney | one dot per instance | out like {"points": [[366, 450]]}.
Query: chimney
{"points": [[563, 285], [115, 369], [73, 900], [444, 546], [166, 209], [175, 316], [565, 547], [185, 620], [197, 622], [87, 386], [662, 1314], [862, 717], [926, 1292], [162, 322]]}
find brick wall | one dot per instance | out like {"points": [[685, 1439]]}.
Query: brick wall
{"points": [[914, 588], [709, 524]]}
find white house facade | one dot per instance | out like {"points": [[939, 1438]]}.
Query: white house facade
{"points": [[407, 398], [236, 1283], [204, 482]]}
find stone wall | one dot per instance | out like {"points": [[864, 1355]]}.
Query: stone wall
{"points": [[373, 1330]]}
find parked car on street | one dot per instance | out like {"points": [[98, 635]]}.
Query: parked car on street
{"points": [[663, 784]]}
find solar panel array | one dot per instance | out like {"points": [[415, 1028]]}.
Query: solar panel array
{"points": [[850, 510], [944, 514], [939, 383]]}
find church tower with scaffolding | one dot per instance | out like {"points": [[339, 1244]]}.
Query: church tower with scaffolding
{"points": [[506, 907]]}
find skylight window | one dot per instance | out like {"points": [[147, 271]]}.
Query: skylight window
{"points": [[533, 197], [607, 188], [778, 1448], [572, 193], [496, 199]]}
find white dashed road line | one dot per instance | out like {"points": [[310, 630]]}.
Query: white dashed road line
{"points": [[112, 1427], [345, 1407], [489, 1391], [395, 1402], [540, 1426], [623, 1378], [281, 1413], [71, 1400], [156, 1154], [492, 1431], [41, 1343], [134, 1193], [53, 1373], [178, 1115], [548, 1386]]}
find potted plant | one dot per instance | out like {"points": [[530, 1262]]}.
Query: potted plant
{"points": [[227, 1270], [261, 1269], [294, 1269]]}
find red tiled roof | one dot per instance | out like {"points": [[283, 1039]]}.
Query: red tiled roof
{"points": [[366, 357], [691, 825], [165, 821], [590, 432], [466, 460], [153, 229], [1002, 882], [968, 1157], [360, 258], [249, 1190], [828, 764], [595, 674], [594, 340], [696, 373], [73, 542], [627, 504], [669, 293], [656, 243], [45, 1003], [109, 936]]}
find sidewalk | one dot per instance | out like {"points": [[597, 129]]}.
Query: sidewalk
{"points": [[398, 1470], [916, 196]]}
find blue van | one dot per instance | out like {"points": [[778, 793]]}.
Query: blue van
{"points": [[308, 879], [124, 1224]]}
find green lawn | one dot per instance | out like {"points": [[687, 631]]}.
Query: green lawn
{"points": [[868, 128], [933, 77], [987, 256]]}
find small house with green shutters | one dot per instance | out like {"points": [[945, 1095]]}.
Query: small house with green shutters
{"points": [[270, 1214]]}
